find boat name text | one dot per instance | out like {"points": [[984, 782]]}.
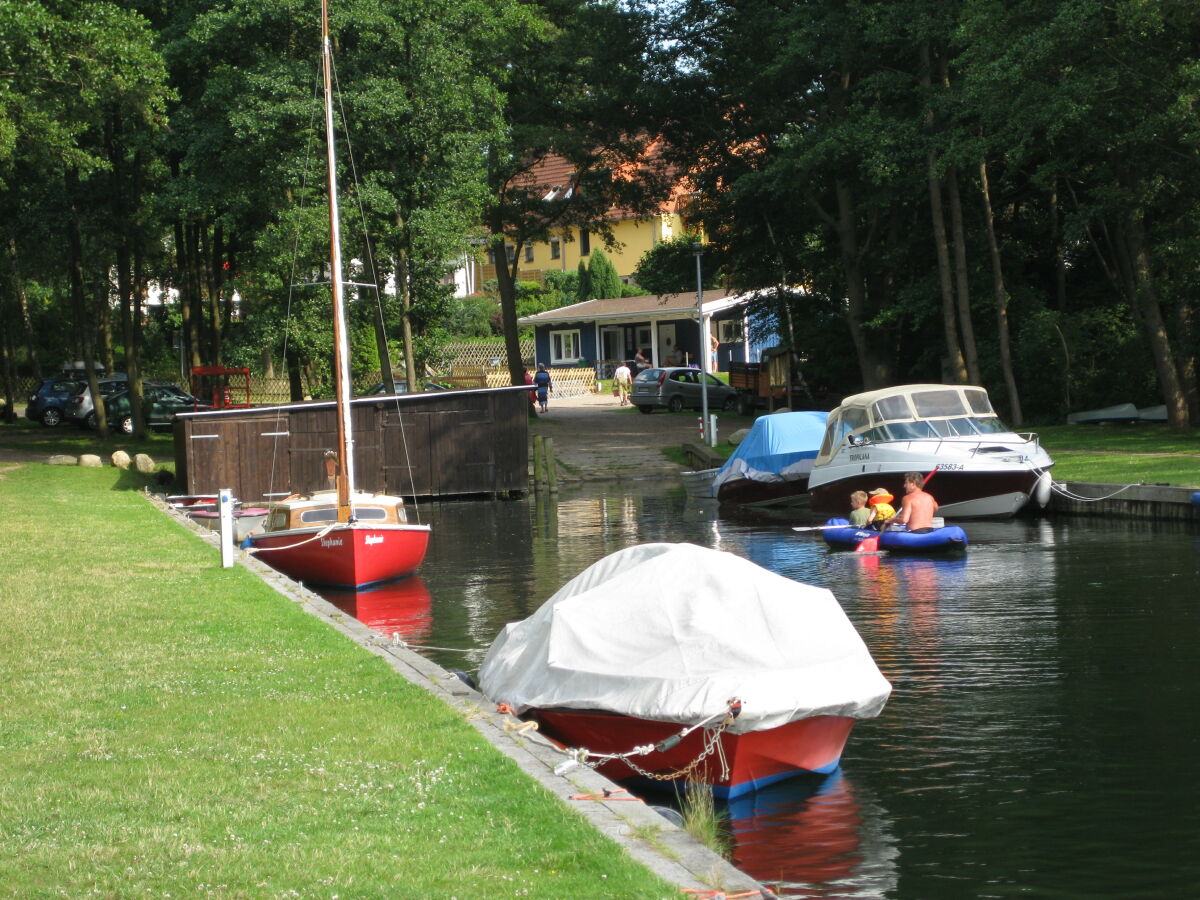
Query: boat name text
{"points": [[331, 542], [376, 539]]}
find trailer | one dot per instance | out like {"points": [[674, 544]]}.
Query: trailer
{"points": [[775, 383]]}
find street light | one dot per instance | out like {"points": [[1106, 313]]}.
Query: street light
{"points": [[698, 248]]}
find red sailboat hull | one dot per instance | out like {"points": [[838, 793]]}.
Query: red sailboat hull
{"points": [[350, 555], [755, 759]]}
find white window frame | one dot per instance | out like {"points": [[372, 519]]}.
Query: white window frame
{"points": [[729, 331], [558, 343]]}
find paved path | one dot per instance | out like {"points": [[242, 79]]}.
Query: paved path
{"points": [[601, 440]]}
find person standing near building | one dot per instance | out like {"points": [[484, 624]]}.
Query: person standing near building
{"points": [[623, 381], [544, 386]]}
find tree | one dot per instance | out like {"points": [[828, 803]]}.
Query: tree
{"points": [[585, 110], [605, 282], [669, 267]]}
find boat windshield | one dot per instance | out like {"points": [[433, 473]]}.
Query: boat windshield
{"points": [[891, 408], [990, 425], [980, 404], [930, 404]]}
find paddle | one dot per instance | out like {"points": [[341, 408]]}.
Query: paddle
{"points": [[818, 527], [871, 544]]}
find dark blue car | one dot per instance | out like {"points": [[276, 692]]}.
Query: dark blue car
{"points": [[48, 403]]}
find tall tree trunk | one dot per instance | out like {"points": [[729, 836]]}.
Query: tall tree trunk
{"points": [[213, 256], [195, 296], [962, 282], [7, 345], [22, 300], [1187, 358], [1060, 253], [404, 295], [1137, 256], [79, 301], [955, 364], [128, 333], [183, 286], [104, 326], [135, 350], [506, 283], [1000, 295], [873, 373]]}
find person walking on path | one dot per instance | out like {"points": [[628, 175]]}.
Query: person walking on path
{"points": [[544, 386], [623, 380]]}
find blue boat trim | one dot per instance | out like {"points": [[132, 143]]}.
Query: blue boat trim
{"points": [[738, 790], [897, 538]]}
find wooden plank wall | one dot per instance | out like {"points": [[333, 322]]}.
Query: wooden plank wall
{"points": [[443, 444]]}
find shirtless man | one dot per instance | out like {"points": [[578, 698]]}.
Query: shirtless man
{"points": [[918, 508]]}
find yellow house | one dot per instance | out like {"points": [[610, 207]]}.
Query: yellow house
{"points": [[634, 235]]}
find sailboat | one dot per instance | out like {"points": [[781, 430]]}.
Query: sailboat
{"points": [[340, 537]]}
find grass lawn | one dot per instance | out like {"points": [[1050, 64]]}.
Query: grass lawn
{"points": [[174, 729], [1123, 454], [1111, 454]]}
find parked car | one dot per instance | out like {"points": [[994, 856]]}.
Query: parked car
{"points": [[160, 403], [80, 406], [48, 403], [677, 387]]}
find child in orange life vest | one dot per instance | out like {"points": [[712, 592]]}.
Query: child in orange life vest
{"points": [[881, 507]]}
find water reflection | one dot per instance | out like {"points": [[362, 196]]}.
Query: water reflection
{"points": [[403, 608], [812, 837]]}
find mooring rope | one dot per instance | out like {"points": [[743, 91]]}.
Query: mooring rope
{"points": [[1060, 488], [320, 534]]}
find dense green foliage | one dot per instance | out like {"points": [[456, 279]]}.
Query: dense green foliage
{"points": [[850, 152], [964, 190]]}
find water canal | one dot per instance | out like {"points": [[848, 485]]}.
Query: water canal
{"points": [[1041, 739]]}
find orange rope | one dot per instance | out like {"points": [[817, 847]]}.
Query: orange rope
{"points": [[607, 794]]}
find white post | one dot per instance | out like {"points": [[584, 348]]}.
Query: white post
{"points": [[225, 510], [712, 429]]}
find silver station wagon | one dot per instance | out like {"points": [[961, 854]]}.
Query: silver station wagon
{"points": [[677, 388]]}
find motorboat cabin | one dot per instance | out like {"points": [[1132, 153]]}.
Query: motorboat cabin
{"points": [[984, 469]]}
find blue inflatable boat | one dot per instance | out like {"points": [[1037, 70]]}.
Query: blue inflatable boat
{"points": [[841, 535]]}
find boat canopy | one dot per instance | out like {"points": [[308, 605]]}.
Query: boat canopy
{"points": [[778, 446], [913, 412], [673, 632]]}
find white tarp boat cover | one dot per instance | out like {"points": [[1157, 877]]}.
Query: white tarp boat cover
{"points": [[672, 632], [779, 446]]}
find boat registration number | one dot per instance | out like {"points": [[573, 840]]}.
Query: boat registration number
{"points": [[950, 467]]}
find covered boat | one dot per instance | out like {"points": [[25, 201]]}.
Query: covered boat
{"points": [[984, 470], [896, 538], [674, 661], [771, 465]]}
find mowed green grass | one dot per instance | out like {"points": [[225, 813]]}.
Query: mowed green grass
{"points": [[174, 729], [1123, 454]]}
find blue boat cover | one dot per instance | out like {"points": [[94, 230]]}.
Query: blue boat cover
{"points": [[779, 446], [896, 538]]}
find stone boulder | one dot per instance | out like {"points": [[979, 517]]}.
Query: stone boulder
{"points": [[145, 464], [91, 461], [738, 436], [63, 459], [121, 459]]}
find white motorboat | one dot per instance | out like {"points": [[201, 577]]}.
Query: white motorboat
{"points": [[984, 470]]}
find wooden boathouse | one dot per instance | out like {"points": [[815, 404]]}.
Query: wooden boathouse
{"points": [[436, 444]]}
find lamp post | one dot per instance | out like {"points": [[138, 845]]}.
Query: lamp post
{"points": [[698, 248]]}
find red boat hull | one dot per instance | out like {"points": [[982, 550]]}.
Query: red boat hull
{"points": [[351, 556], [755, 759]]}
